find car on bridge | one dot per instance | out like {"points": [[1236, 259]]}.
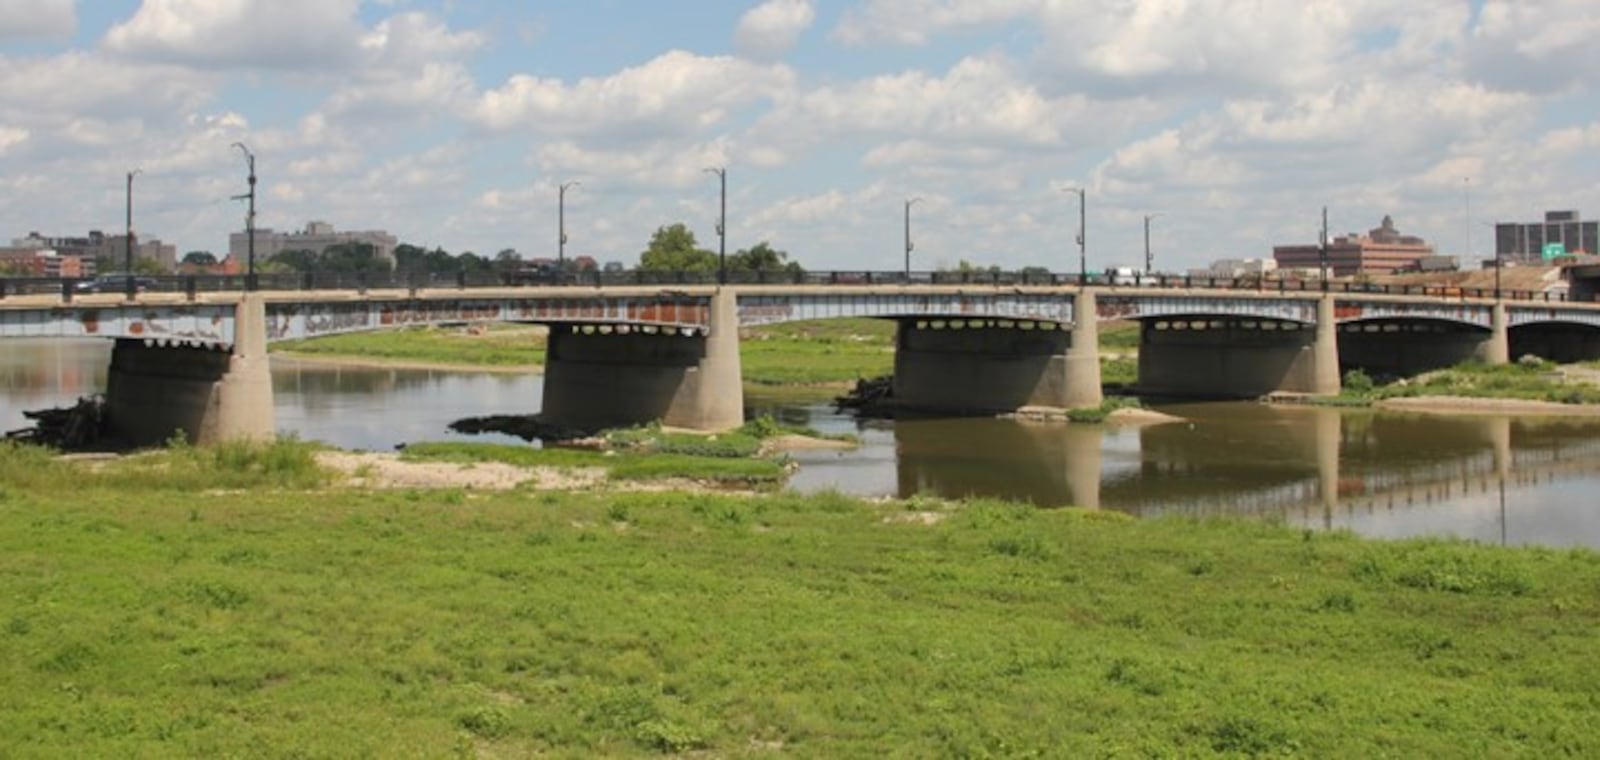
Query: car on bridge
{"points": [[115, 283]]}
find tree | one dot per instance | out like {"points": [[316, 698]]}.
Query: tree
{"points": [[200, 258], [762, 257], [673, 248]]}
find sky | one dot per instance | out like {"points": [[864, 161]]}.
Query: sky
{"points": [[452, 123]]}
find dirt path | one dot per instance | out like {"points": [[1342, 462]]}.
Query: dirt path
{"points": [[377, 470]]}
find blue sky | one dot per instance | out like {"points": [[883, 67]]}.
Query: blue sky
{"points": [[452, 122]]}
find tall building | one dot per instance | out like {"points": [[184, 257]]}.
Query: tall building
{"points": [[316, 237], [1381, 251], [98, 245], [1561, 233]]}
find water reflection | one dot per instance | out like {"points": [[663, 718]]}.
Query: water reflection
{"points": [[1493, 479]]}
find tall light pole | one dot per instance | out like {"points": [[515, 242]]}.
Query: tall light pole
{"points": [[1083, 256], [127, 255], [561, 224], [1322, 250], [250, 217], [722, 225], [1149, 263], [909, 246]]}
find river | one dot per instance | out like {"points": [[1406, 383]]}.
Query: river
{"points": [[1494, 479]]}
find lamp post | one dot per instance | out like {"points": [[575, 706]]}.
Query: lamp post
{"points": [[250, 218], [127, 254], [1322, 250], [561, 224], [1149, 263], [909, 246], [722, 225], [1083, 256]]}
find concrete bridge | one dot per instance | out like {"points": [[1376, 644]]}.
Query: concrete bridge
{"points": [[619, 355]]}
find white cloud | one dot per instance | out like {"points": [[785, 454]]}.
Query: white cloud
{"points": [[1540, 47], [34, 19], [271, 34], [11, 137], [770, 29], [914, 22], [676, 93]]}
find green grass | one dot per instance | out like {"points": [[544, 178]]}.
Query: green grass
{"points": [[1099, 414], [1531, 380], [498, 346], [817, 353], [152, 622]]}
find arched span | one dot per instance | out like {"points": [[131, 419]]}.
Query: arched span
{"points": [[1523, 317], [1178, 307], [1473, 314], [769, 309], [1409, 324], [290, 321], [1556, 340]]}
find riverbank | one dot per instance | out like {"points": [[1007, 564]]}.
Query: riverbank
{"points": [[232, 612]]}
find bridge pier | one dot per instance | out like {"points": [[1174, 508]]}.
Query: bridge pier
{"points": [[153, 392], [1238, 357], [597, 378], [1497, 349], [993, 365]]}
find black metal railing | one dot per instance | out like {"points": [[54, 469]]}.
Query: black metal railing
{"points": [[193, 285]]}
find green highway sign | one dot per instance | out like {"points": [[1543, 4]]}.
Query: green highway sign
{"points": [[1552, 250]]}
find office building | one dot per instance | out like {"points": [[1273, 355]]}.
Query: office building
{"points": [[1562, 233], [1381, 251]]}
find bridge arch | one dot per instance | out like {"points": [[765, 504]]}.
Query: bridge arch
{"points": [[1558, 340]]}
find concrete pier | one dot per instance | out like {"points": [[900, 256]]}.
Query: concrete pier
{"points": [[210, 395], [610, 377]]}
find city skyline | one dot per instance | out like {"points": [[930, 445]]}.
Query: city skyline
{"points": [[453, 124]]}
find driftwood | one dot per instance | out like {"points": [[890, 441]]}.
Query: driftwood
{"points": [[870, 395], [71, 428]]}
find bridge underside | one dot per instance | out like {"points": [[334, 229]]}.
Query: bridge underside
{"points": [[154, 390], [1556, 341], [1402, 347], [988, 365], [1207, 356], [599, 376]]}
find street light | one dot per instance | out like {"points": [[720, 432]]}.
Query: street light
{"points": [[127, 256], [250, 217], [1149, 264], [909, 246], [561, 224], [722, 225], [1083, 256], [1322, 250]]}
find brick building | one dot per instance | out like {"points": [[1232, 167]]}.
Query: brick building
{"points": [[1381, 251]]}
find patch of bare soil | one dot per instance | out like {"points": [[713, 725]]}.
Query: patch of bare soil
{"points": [[379, 470], [1140, 417], [1463, 405], [790, 442]]}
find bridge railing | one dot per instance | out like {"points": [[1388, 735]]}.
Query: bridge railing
{"points": [[192, 285]]}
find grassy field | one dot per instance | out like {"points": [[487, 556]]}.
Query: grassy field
{"points": [[157, 617], [1532, 380], [498, 346]]}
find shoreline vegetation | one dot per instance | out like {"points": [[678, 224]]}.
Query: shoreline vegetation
{"points": [[250, 599]]}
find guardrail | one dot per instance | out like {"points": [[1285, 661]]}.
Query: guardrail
{"points": [[192, 285]]}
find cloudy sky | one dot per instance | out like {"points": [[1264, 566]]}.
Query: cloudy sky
{"points": [[452, 122]]}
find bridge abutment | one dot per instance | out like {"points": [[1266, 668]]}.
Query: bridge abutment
{"points": [[154, 391], [597, 378]]}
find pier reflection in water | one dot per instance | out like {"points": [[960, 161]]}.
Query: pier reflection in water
{"points": [[1490, 478]]}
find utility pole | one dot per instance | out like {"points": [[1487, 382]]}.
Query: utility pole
{"points": [[1149, 263], [1323, 250], [909, 246], [250, 218], [561, 224], [1083, 230], [127, 255], [722, 225]]}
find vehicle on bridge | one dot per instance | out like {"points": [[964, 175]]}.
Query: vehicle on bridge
{"points": [[115, 283]]}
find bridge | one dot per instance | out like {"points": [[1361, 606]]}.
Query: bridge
{"points": [[195, 360]]}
